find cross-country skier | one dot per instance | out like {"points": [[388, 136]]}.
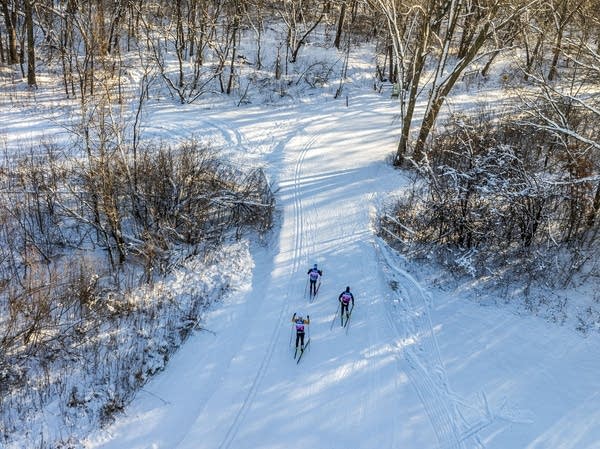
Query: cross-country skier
{"points": [[313, 276], [345, 298], [300, 323]]}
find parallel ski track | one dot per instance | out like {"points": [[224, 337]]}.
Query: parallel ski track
{"points": [[175, 132], [376, 380], [284, 313], [426, 370]]}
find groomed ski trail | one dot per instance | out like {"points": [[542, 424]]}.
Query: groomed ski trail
{"points": [[299, 256], [255, 395]]}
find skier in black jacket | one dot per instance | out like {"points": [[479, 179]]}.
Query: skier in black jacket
{"points": [[345, 298], [314, 274]]}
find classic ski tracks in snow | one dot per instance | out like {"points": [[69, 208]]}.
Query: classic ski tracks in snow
{"points": [[220, 131], [375, 379], [284, 313], [425, 368], [232, 136], [419, 347]]}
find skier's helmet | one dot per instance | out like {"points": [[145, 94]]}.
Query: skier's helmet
{"points": [[315, 266], [347, 289]]}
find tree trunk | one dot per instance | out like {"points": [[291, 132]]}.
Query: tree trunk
{"points": [[552, 72], [31, 79], [391, 65], [563, 19], [340, 27], [113, 35], [439, 94], [412, 81], [234, 32], [300, 42], [2, 57], [533, 55], [180, 43], [102, 47], [13, 55]]}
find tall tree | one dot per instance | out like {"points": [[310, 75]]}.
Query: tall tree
{"points": [[301, 18], [10, 17], [340, 25], [431, 31], [31, 78], [235, 30], [563, 12]]}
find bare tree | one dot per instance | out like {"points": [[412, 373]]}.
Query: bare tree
{"points": [[254, 12], [571, 112], [10, 23], [340, 24], [563, 13], [31, 78], [432, 30], [301, 20], [235, 30]]}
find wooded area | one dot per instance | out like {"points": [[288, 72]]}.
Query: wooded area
{"points": [[504, 191], [518, 184]]}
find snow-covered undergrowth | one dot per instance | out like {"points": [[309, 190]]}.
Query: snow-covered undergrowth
{"points": [[93, 372]]}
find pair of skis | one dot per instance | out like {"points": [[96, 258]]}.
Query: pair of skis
{"points": [[312, 296], [343, 324], [301, 352]]}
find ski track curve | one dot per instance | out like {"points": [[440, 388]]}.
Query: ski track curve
{"points": [[220, 130], [232, 136], [425, 368], [299, 256]]}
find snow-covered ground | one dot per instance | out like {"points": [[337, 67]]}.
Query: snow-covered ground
{"points": [[420, 366]]}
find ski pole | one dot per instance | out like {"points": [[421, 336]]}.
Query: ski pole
{"points": [[292, 330], [348, 319], [335, 316]]}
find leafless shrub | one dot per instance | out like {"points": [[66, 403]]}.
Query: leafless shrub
{"points": [[588, 320], [488, 200], [316, 74], [72, 328], [188, 196]]}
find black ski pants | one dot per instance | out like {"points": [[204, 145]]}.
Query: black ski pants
{"points": [[344, 307], [300, 338], [313, 287]]}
